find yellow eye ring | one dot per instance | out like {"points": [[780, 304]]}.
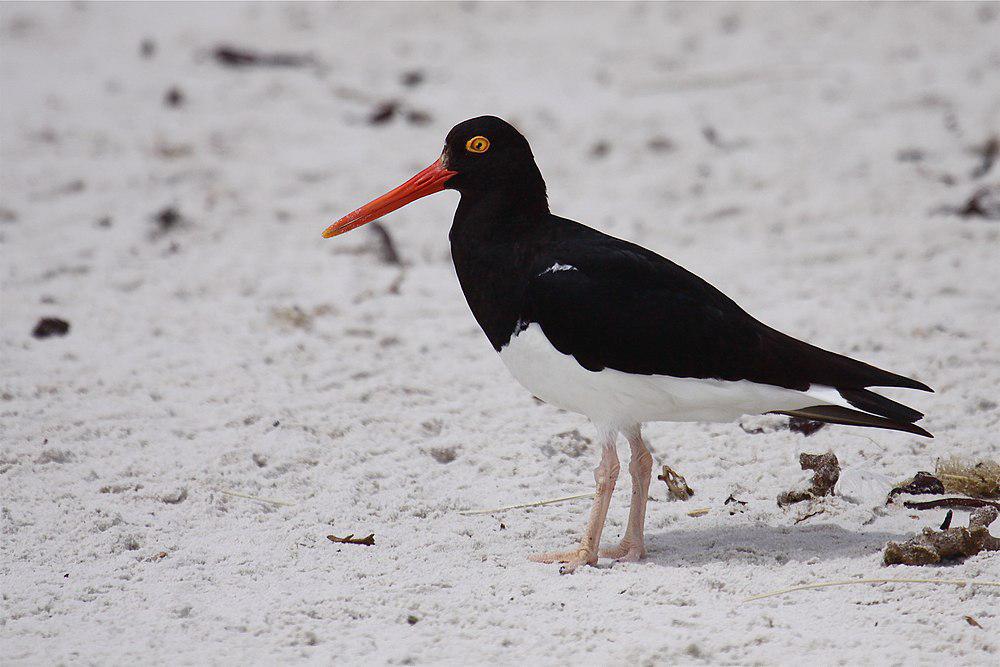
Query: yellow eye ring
{"points": [[477, 144]]}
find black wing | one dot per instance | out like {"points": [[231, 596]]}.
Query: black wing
{"points": [[624, 307]]}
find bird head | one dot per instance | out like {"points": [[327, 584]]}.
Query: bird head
{"points": [[480, 155]]}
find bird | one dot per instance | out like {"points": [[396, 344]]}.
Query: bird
{"points": [[599, 326]]}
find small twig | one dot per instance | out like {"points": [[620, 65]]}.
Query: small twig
{"points": [[350, 539], [809, 515], [959, 503], [539, 503], [828, 584], [701, 511], [282, 503]]}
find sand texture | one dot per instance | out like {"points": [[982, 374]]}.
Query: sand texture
{"points": [[810, 160]]}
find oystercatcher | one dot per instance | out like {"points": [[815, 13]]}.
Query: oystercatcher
{"points": [[603, 327]]}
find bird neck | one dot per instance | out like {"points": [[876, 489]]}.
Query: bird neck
{"points": [[503, 199], [492, 242]]}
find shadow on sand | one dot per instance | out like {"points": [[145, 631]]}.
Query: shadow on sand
{"points": [[762, 545]]}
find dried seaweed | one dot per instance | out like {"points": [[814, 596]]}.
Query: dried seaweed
{"points": [[677, 486], [955, 503], [977, 479], [922, 483], [368, 541], [826, 472], [936, 546]]}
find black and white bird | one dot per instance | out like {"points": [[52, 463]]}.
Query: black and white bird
{"points": [[603, 327]]}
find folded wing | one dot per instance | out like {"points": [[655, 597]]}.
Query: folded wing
{"points": [[612, 304]]}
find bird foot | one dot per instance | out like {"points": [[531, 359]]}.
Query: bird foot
{"points": [[571, 559], [626, 552]]}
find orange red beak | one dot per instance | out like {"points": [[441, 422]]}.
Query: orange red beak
{"points": [[426, 182]]}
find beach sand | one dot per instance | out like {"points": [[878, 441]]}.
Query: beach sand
{"points": [[809, 160]]}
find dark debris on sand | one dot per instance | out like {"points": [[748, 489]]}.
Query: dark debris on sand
{"points": [[983, 203], [937, 546], [368, 541], [411, 78], [826, 472], [677, 486], [232, 56], [174, 97], [387, 111], [988, 153], [383, 112], [50, 326], [922, 483], [804, 426], [168, 218]]}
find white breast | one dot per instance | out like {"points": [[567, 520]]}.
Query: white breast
{"points": [[610, 396]]}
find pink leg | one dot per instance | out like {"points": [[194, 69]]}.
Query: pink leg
{"points": [[632, 547], [605, 475]]}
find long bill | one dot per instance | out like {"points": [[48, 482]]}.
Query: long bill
{"points": [[426, 182]]}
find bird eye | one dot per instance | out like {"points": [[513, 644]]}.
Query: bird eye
{"points": [[477, 145]]}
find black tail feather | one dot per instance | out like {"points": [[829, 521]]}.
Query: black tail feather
{"points": [[835, 414], [869, 401], [836, 370]]}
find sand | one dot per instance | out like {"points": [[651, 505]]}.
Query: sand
{"points": [[806, 159]]}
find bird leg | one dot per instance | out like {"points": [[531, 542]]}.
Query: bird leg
{"points": [[605, 475], [632, 547]]}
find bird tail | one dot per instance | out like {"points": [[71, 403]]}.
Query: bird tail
{"points": [[836, 414], [869, 401]]}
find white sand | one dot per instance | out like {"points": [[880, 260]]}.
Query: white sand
{"points": [[183, 376]]}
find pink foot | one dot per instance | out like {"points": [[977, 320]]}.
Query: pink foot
{"points": [[626, 552], [572, 559]]}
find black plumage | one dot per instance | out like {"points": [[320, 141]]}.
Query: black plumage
{"points": [[613, 304], [624, 307]]}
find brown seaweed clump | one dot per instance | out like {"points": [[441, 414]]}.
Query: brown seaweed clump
{"points": [[922, 483], [677, 486], [935, 546], [826, 472]]}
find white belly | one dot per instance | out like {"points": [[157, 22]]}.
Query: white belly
{"points": [[613, 397]]}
